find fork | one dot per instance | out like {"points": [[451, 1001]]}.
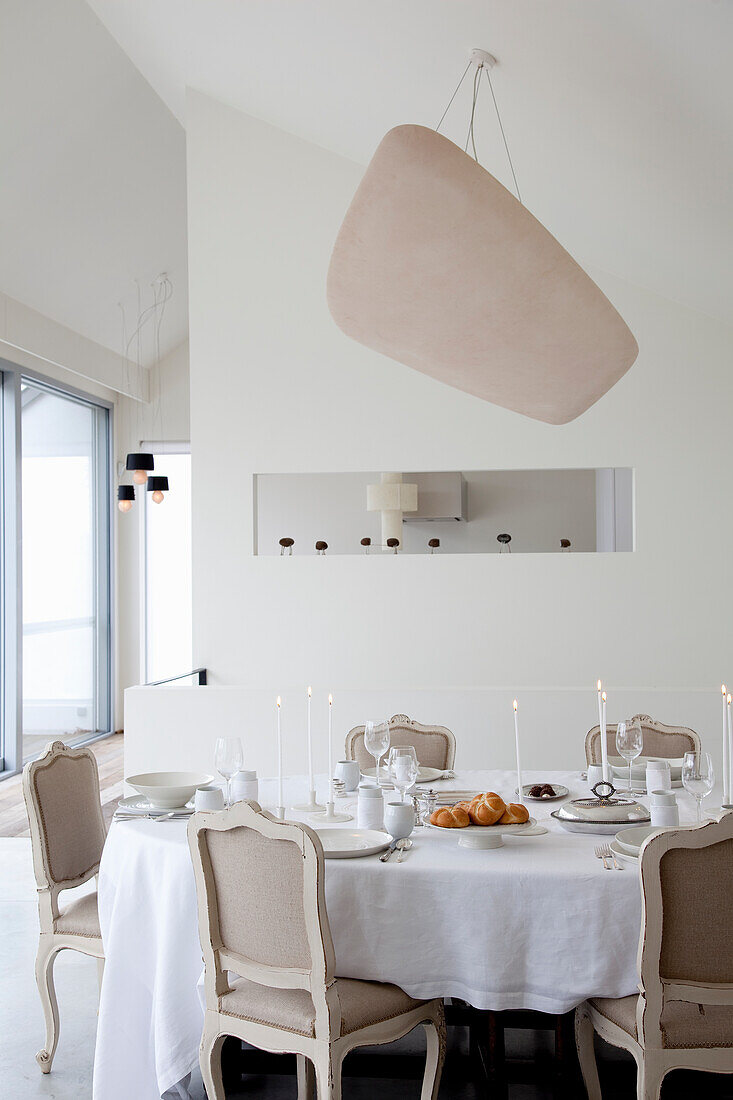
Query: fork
{"points": [[609, 854], [601, 854]]}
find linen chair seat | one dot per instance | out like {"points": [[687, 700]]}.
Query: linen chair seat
{"points": [[80, 917], [362, 1004], [684, 1025]]}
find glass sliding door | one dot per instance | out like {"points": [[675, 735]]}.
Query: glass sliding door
{"points": [[64, 447]]}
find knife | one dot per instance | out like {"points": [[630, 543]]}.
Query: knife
{"points": [[385, 855]]}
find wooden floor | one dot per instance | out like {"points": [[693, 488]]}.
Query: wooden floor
{"points": [[108, 751]]}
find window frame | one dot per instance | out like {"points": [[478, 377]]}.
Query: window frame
{"points": [[11, 567]]}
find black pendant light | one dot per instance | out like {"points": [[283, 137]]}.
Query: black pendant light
{"points": [[125, 497], [140, 462], [157, 486]]}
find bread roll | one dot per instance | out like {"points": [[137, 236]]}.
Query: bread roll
{"points": [[515, 814], [486, 809], [450, 817]]}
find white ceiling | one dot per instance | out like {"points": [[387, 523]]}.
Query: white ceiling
{"points": [[93, 180], [619, 113]]}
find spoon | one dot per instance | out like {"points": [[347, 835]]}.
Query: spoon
{"points": [[403, 846]]}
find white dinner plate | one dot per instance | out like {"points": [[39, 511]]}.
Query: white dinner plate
{"points": [[139, 806], [630, 840], [424, 775], [560, 792], [621, 854], [352, 843]]}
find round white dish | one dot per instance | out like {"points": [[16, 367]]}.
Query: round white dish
{"points": [[620, 767], [137, 805], [168, 790], [484, 836], [560, 792], [621, 854], [352, 843], [424, 775], [631, 840]]}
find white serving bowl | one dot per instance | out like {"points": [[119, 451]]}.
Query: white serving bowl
{"points": [[168, 790]]}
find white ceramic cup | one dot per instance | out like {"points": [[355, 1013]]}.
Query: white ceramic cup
{"points": [[348, 771], [658, 776], [209, 798], [245, 785], [595, 774], [370, 808], [399, 819], [664, 810]]}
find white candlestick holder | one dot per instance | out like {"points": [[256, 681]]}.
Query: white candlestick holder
{"points": [[329, 815], [311, 807], [280, 813]]}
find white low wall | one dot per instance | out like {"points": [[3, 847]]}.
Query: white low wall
{"points": [[176, 727]]}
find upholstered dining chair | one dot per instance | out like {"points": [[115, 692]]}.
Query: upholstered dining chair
{"points": [[61, 791], [683, 1016], [671, 742], [435, 745], [262, 916]]}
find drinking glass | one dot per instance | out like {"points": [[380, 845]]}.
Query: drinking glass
{"points": [[629, 742], [698, 777], [376, 742], [228, 759], [403, 767]]}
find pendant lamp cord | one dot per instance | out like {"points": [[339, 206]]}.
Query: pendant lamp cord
{"points": [[503, 135], [470, 137]]}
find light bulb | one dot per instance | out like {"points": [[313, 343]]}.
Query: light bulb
{"points": [[124, 505], [140, 477], [157, 496]]}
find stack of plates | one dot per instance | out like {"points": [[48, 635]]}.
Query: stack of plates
{"points": [[139, 806], [627, 843], [620, 773]]}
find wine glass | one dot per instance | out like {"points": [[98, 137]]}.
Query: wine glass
{"points": [[376, 742], [629, 742], [403, 767], [228, 759], [698, 777]]}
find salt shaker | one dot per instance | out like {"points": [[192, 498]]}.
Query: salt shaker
{"points": [[664, 810], [370, 808]]}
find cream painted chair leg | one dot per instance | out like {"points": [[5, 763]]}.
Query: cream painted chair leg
{"points": [[328, 1075], [648, 1079], [586, 1052], [100, 973], [44, 980], [435, 1035], [210, 1060], [306, 1078]]}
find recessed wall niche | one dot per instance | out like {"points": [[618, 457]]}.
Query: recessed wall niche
{"points": [[445, 512]]}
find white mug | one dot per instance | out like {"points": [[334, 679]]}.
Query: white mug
{"points": [[595, 774], [348, 771], [245, 785], [208, 798], [658, 776], [399, 819], [370, 808], [664, 810]]}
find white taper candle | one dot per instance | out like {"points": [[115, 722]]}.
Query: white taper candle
{"points": [[604, 741], [730, 751], [516, 745], [330, 748], [310, 742], [726, 750], [279, 757]]}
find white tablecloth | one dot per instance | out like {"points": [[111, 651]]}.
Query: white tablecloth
{"points": [[537, 924]]}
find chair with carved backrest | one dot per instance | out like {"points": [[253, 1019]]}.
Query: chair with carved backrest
{"points": [[683, 1017], [670, 742], [61, 791], [262, 917], [435, 745]]}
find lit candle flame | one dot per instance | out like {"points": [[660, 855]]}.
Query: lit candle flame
{"points": [[310, 692], [330, 700], [515, 704], [278, 700], [599, 685], [603, 696], [728, 698], [722, 688]]}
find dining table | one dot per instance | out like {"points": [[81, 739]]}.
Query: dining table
{"points": [[538, 923]]}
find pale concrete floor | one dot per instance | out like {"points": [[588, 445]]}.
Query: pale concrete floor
{"points": [[22, 1032]]}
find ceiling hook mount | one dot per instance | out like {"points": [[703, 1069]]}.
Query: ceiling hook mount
{"points": [[482, 59]]}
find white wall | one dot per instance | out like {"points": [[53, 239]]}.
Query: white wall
{"points": [[537, 507], [275, 386]]}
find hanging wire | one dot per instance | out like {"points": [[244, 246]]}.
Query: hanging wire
{"points": [[503, 135], [470, 135], [455, 93]]}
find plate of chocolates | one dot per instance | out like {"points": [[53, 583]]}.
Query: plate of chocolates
{"points": [[544, 792]]}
